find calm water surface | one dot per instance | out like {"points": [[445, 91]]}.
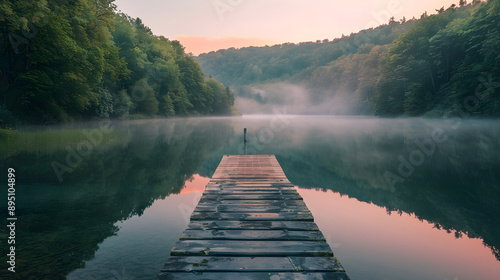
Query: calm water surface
{"points": [[395, 198]]}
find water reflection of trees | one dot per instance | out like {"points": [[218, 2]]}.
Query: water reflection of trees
{"points": [[64, 223], [457, 187]]}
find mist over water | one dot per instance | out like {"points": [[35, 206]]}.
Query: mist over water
{"points": [[297, 99], [443, 172]]}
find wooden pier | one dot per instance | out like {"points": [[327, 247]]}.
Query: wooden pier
{"points": [[251, 223]]}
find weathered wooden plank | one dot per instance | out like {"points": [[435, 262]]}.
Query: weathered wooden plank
{"points": [[204, 201], [249, 208], [252, 275], [248, 185], [253, 197], [285, 216], [251, 189], [251, 248], [239, 234], [249, 264], [256, 181], [238, 188], [248, 192], [247, 189], [251, 184], [223, 193], [243, 171], [266, 177], [253, 225], [249, 172]]}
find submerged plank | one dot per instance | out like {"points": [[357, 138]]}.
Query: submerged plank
{"points": [[251, 248], [249, 264]]}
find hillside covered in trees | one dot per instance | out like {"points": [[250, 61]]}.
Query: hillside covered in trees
{"points": [[446, 64], [71, 60]]}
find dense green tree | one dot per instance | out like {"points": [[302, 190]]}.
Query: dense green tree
{"points": [[327, 68], [475, 82], [56, 56], [64, 60], [162, 66], [121, 104], [105, 106], [408, 67], [449, 60], [221, 96], [192, 78]]}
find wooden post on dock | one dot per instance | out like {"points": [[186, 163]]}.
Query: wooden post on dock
{"points": [[245, 139], [251, 223]]}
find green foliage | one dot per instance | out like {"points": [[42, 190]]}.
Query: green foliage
{"points": [[105, 107], [6, 133], [449, 60], [145, 100], [413, 67], [221, 97], [121, 104], [67, 60], [164, 80], [347, 66], [167, 106], [290, 61], [13, 142], [6, 118]]}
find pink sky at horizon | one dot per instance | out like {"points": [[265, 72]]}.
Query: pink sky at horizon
{"points": [[203, 26]]}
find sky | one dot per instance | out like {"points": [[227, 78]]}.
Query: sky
{"points": [[208, 25]]}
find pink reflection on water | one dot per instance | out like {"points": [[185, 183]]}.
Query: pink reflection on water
{"points": [[196, 183], [370, 243]]}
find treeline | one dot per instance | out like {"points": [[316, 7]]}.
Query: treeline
{"points": [[435, 65], [450, 61], [291, 61], [66, 60]]}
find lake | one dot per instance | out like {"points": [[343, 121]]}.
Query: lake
{"points": [[395, 198]]}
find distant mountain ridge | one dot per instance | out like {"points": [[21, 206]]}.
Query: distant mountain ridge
{"points": [[447, 64]]}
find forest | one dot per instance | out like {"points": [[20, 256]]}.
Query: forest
{"points": [[442, 65], [67, 60]]}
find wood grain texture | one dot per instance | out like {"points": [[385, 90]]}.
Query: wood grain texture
{"points": [[251, 223]]}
